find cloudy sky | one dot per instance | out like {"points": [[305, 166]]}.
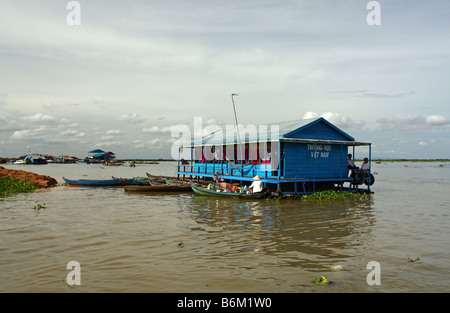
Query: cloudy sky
{"points": [[133, 69]]}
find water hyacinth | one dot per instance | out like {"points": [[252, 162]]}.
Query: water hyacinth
{"points": [[322, 280], [416, 260], [10, 186], [332, 195]]}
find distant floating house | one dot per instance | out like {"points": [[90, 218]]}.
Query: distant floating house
{"points": [[302, 157], [35, 159], [99, 155], [65, 159], [94, 152]]}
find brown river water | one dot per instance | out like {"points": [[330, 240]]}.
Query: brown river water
{"points": [[187, 243]]}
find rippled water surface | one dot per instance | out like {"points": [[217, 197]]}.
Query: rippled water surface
{"points": [[134, 242]]}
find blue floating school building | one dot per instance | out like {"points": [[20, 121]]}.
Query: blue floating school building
{"points": [[303, 157], [98, 155]]}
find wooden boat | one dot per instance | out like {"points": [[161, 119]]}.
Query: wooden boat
{"points": [[158, 188], [177, 182], [99, 183], [158, 177], [156, 180], [136, 181], [201, 190]]}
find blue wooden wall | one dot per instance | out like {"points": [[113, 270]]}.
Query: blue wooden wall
{"points": [[314, 161]]}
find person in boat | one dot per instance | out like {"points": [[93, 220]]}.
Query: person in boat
{"points": [[220, 183], [257, 185], [218, 178]]}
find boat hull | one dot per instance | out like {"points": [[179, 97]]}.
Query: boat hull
{"points": [[232, 195], [98, 183], [136, 181], [158, 188]]}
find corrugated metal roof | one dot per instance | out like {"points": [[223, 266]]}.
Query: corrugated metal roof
{"points": [[278, 131], [96, 151]]}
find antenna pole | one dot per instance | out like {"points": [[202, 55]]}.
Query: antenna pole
{"points": [[236, 121]]}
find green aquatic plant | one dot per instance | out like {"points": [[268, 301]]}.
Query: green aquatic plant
{"points": [[39, 206], [416, 260], [332, 195], [321, 281], [10, 186]]}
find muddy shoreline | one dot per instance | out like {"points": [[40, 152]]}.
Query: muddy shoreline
{"points": [[41, 181]]}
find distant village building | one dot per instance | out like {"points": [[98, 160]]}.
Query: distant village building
{"points": [[35, 159], [100, 156], [65, 159]]}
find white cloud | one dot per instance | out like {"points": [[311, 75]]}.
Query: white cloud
{"points": [[158, 130], [114, 132], [108, 143], [40, 118], [412, 123], [24, 134], [436, 120], [152, 130], [139, 144], [69, 132], [336, 119], [108, 137], [131, 118]]}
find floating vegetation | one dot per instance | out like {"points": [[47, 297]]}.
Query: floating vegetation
{"points": [[10, 186], [39, 206], [333, 195], [416, 260], [322, 281]]}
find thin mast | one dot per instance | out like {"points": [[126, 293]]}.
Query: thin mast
{"points": [[237, 125]]}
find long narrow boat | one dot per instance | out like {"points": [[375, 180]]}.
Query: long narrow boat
{"points": [[208, 192], [136, 181], [162, 188], [177, 182], [156, 180], [96, 182]]}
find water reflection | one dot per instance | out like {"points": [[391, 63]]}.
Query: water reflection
{"points": [[295, 232]]}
